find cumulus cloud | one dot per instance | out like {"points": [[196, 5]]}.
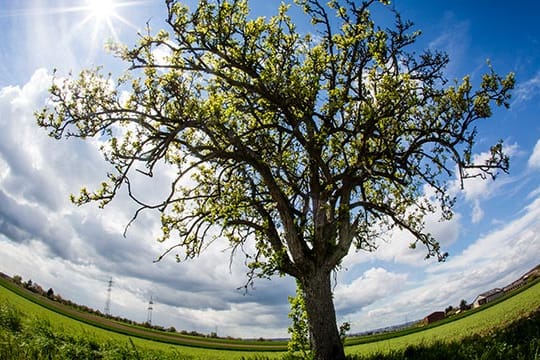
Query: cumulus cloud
{"points": [[512, 244], [494, 260], [373, 285], [478, 187], [395, 245], [76, 250], [37, 175], [498, 257]]}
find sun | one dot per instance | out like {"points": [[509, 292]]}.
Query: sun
{"points": [[98, 20], [101, 9], [103, 14]]}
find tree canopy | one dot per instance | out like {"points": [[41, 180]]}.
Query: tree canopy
{"points": [[294, 146]]}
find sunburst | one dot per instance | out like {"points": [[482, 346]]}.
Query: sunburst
{"points": [[101, 17], [103, 14], [102, 10]]}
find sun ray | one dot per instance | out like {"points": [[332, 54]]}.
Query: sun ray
{"points": [[104, 14], [102, 9]]}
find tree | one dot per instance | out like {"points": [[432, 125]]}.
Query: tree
{"points": [[29, 284], [295, 147], [299, 342], [463, 305], [17, 279]]}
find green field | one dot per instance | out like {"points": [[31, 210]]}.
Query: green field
{"points": [[77, 324], [76, 328], [143, 332], [481, 322]]}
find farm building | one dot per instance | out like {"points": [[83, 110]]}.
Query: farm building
{"points": [[532, 274], [488, 296], [431, 318], [515, 285], [527, 277]]}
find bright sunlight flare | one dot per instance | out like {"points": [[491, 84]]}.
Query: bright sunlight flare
{"points": [[101, 9], [104, 14]]}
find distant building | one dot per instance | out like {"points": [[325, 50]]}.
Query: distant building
{"points": [[488, 296], [532, 274], [431, 318], [515, 285]]}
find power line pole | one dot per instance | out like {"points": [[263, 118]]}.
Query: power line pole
{"points": [[150, 308], [108, 301]]}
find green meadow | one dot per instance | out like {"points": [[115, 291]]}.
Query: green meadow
{"points": [[31, 311], [483, 321], [57, 333]]}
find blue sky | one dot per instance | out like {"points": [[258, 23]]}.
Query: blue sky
{"points": [[492, 239]]}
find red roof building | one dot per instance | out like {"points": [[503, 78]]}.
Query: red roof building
{"points": [[431, 318]]}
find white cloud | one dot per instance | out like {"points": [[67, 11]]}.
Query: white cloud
{"points": [[373, 285], [534, 159], [477, 189], [477, 212], [493, 260], [533, 194], [481, 187], [454, 40], [76, 249], [394, 246], [527, 90], [514, 243]]}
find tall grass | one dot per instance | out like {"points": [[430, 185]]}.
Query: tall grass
{"points": [[34, 338]]}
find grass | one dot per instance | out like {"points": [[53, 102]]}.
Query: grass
{"points": [[74, 335], [143, 332], [519, 340], [66, 325], [481, 322], [25, 338]]}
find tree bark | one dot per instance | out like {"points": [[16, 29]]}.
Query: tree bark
{"points": [[326, 342]]}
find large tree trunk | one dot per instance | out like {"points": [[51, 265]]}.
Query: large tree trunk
{"points": [[318, 299]]}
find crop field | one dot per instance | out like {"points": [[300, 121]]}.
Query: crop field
{"points": [[478, 322]]}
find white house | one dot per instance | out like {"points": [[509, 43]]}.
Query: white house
{"points": [[487, 296]]}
